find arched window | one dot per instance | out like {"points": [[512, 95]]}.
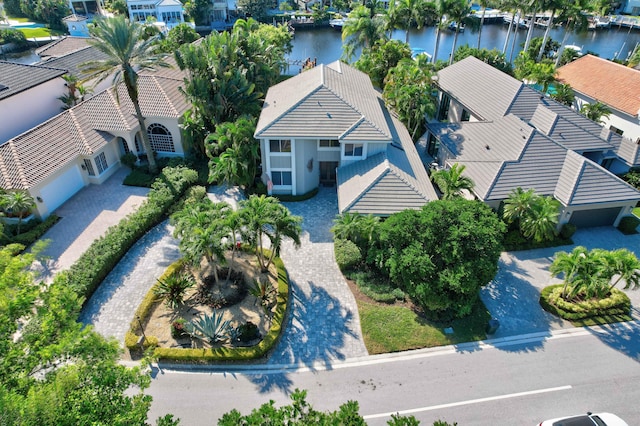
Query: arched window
{"points": [[160, 138]]}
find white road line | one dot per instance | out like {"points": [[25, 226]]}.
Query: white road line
{"points": [[471, 401]]}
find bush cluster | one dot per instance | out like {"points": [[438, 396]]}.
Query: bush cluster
{"points": [[86, 274], [628, 225], [11, 35], [31, 231], [515, 241], [616, 304], [347, 253]]}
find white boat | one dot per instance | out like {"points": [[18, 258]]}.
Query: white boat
{"points": [[577, 49], [417, 51], [452, 26], [337, 23]]}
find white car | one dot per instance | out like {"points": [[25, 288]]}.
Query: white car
{"points": [[589, 419]]}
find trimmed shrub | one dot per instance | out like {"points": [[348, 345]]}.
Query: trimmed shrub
{"points": [[32, 231], [515, 241], [614, 308], [86, 274], [347, 254], [567, 231], [628, 225]]}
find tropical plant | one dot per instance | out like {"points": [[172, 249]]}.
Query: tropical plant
{"points": [[574, 20], [209, 328], [460, 12], [383, 56], [177, 36], [233, 153], [264, 292], [173, 288], [285, 225], [73, 90], [483, 9], [360, 31], [563, 93], [451, 181], [408, 90], [543, 74], [493, 57], [19, 203], [405, 14], [518, 204], [440, 10], [536, 216], [127, 54], [595, 111], [355, 227], [554, 6]]}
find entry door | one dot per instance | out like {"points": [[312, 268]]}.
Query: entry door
{"points": [[328, 172]]}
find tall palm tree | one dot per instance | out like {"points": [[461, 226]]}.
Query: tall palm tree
{"points": [[459, 12], [440, 10], [543, 74], [361, 30], [410, 13], [285, 225], [451, 182], [568, 264], [541, 222], [531, 6], [554, 6], [625, 265], [574, 21], [128, 53], [483, 5], [258, 214]]}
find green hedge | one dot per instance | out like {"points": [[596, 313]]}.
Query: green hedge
{"points": [[615, 308], [203, 355], [347, 254], [515, 241], [86, 274], [628, 225], [32, 231]]}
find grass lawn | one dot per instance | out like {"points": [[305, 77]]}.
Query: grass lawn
{"points": [[30, 33], [396, 328], [636, 211]]}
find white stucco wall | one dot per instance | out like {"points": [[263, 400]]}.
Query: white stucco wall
{"points": [[628, 124], [29, 108]]}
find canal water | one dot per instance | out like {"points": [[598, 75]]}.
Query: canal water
{"points": [[325, 44]]}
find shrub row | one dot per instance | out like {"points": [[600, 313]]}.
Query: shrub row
{"points": [[515, 241], [617, 305], [628, 225], [86, 274], [33, 231], [203, 355]]}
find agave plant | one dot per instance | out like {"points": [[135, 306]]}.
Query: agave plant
{"points": [[209, 328], [173, 289], [264, 292]]}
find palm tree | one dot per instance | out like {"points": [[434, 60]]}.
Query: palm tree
{"points": [[451, 182], [568, 264], [122, 41], [285, 225], [531, 6], [543, 74], [408, 13], [440, 10], [595, 111], [554, 5], [541, 222], [564, 94], [258, 214], [361, 30], [574, 20], [518, 204], [358, 228], [483, 4], [625, 265], [459, 12], [19, 203]]}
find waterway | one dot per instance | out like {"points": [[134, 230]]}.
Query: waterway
{"points": [[325, 44]]}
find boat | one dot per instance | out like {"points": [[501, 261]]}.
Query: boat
{"points": [[452, 26], [577, 49], [417, 51], [337, 24]]}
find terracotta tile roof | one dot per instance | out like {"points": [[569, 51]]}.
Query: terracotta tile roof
{"points": [[72, 61], [63, 46], [31, 157], [605, 81], [16, 78]]}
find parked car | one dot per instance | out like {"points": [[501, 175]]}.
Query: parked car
{"points": [[589, 419]]}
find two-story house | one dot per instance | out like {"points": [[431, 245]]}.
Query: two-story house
{"points": [[509, 135], [329, 126]]}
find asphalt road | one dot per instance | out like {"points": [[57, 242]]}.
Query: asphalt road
{"points": [[518, 381]]}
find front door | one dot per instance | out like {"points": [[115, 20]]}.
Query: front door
{"points": [[328, 172]]}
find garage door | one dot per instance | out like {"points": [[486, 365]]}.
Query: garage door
{"points": [[63, 188], [596, 217]]}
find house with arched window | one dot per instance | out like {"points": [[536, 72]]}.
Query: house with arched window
{"points": [[83, 145]]}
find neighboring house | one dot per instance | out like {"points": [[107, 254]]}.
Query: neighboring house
{"points": [[632, 7], [509, 135], [28, 96], [83, 145], [328, 126], [86, 8], [168, 13], [595, 79], [77, 25]]}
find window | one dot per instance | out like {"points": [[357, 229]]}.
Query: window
{"points": [[281, 178], [616, 130], [443, 110], [160, 138], [280, 145], [353, 149], [433, 145], [465, 116], [89, 167], [329, 143], [101, 162]]}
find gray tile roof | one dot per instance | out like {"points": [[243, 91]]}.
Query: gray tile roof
{"points": [[329, 101], [33, 156], [16, 78], [584, 182], [63, 46], [72, 61]]}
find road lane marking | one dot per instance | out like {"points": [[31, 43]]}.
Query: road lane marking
{"points": [[471, 401]]}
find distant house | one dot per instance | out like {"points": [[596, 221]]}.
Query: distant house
{"points": [[87, 8], [329, 126], [509, 135], [83, 145], [595, 79], [168, 13]]}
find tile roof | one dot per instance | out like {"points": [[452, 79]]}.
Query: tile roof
{"points": [[16, 78], [72, 61], [63, 46], [605, 81], [31, 157], [329, 101]]}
